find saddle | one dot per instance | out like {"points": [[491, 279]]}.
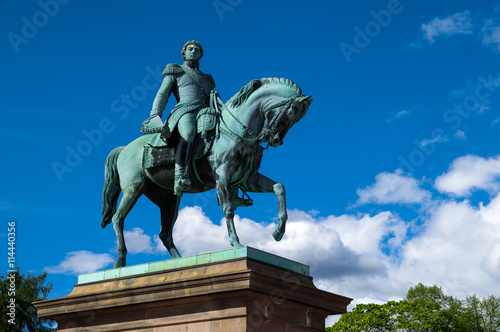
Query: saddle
{"points": [[158, 153]]}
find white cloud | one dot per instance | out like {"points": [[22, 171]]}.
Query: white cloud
{"points": [[460, 134], [459, 23], [458, 249], [373, 258], [333, 246], [470, 173], [437, 139], [491, 35], [393, 188], [195, 233], [138, 242], [398, 115], [491, 262], [78, 262]]}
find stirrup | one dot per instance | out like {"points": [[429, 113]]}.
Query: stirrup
{"points": [[242, 201]]}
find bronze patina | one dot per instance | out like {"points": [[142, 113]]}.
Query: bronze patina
{"points": [[226, 155]]}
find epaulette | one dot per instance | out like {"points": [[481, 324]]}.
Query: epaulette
{"points": [[172, 69], [211, 79]]}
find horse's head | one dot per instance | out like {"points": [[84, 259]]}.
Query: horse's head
{"points": [[274, 103], [281, 117]]}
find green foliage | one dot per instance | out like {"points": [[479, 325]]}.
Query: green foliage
{"points": [[424, 309], [28, 288], [481, 315], [391, 316]]}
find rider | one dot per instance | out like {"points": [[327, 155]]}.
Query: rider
{"points": [[191, 89]]}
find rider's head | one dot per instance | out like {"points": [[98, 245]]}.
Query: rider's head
{"points": [[192, 50]]}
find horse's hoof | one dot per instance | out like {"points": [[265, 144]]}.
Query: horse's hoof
{"points": [[277, 234], [175, 253], [236, 244], [120, 262]]}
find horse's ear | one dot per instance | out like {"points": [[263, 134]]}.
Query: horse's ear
{"points": [[302, 99], [309, 100]]}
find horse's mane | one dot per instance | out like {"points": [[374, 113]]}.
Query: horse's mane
{"points": [[241, 96]]}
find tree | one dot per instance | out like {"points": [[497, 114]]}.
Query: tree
{"points": [[17, 293], [448, 307], [391, 316], [481, 315], [424, 309]]}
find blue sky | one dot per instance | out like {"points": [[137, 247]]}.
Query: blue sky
{"points": [[392, 178]]}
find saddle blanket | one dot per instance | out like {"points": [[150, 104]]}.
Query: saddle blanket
{"points": [[157, 153]]}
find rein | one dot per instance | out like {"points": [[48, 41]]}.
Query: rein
{"points": [[253, 138], [214, 97]]}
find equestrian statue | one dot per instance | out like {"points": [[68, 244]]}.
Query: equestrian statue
{"points": [[203, 144]]}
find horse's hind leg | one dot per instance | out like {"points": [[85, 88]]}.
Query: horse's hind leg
{"points": [[169, 207], [130, 195], [262, 184]]}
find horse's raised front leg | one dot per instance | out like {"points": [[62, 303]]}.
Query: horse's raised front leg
{"points": [[223, 187], [262, 184], [169, 207], [130, 195]]}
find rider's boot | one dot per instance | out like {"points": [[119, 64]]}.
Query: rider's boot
{"points": [[240, 201], [182, 182]]}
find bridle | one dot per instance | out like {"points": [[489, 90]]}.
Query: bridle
{"points": [[273, 123], [266, 130]]}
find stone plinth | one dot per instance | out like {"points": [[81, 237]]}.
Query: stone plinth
{"points": [[235, 290]]}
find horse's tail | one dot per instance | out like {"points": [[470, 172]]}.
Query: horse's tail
{"points": [[112, 189]]}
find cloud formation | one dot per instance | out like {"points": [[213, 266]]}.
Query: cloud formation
{"points": [[138, 242], [334, 247], [78, 262], [374, 258], [485, 30], [458, 249], [470, 173], [460, 135], [437, 139], [393, 188], [459, 23], [398, 115], [491, 35], [369, 257]]}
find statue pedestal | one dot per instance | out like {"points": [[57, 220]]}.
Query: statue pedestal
{"points": [[242, 289]]}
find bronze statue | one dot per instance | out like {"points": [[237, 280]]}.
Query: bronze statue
{"points": [[192, 90], [226, 156]]}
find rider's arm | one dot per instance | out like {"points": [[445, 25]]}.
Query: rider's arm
{"points": [[162, 96]]}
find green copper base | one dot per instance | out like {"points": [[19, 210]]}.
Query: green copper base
{"points": [[191, 261]]}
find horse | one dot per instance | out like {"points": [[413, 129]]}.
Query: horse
{"points": [[262, 112]]}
